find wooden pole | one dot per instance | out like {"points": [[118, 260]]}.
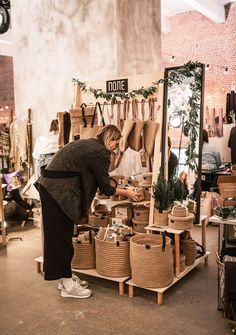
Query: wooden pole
{"points": [[3, 228]]}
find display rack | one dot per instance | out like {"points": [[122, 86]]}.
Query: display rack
{"points": [[94, 273], [221, 235], [160, 291], [90, 272]]}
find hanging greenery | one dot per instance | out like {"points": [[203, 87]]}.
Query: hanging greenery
{"points": [[189, 70]]}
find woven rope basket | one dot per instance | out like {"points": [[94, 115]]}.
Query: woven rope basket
{"points": [[112, 259], [98, 220], [179, 210], [160, 219], [138, 226], [84, 255], [141, 213], [190, 250], [183, 222], [151, 265]]}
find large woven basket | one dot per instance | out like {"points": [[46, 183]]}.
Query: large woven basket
{"points": [[84, 254], [112, 258], [151, 261]]}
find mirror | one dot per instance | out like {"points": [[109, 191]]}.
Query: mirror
{"points": [[182, 127]]}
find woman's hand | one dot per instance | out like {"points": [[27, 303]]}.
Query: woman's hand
{"points": [[132, 195], [129, 193]]}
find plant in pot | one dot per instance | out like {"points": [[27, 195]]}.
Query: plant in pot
{"points": [[163, 193]]}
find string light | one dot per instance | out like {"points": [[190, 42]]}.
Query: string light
{"points": [[208, 66]]}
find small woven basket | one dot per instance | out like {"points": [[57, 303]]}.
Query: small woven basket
{"points": [[141, 213], [183, 222], [84, 254], [151, 260], [112, 258], [189, 248], [138, 226], [160, 218], [179, 211], [98, 220]]}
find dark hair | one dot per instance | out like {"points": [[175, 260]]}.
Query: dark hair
{"points": [[54, 126], [169, 142], [205, 136]]}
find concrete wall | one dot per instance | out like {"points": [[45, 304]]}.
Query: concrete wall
{"points": [[55, 40]]}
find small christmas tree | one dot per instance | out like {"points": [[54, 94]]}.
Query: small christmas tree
{"points": [[163, 193]]}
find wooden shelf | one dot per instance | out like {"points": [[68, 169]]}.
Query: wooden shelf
{"points": [[160, 291], [90, 272], [215, 219], [110, 203], [94, 273]]}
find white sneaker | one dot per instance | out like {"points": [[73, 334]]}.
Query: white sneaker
{"points": [[76, 279], [77, 291]]}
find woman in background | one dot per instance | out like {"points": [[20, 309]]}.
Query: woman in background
{"points": [[46, 146], [181, 186], [210, 155]]}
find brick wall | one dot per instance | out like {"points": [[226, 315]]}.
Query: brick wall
{"points": [[194, 37], [6, 87]]}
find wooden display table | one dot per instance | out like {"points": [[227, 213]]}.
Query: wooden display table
{"points": [[94, 273], [90, 272], [178, 274], [160, 291]]}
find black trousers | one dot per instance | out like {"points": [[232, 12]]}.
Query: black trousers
{"points": [[58, 233]]}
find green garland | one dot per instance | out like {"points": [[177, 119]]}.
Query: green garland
{"points": [[188, 70]]}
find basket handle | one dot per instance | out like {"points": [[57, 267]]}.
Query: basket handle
{"points": [[163, 234], [128, 235]]}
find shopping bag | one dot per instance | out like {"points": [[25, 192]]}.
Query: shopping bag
{"points": [[90, 130]]}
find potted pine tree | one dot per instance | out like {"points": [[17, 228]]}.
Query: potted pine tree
{"points": [[163, 193]]}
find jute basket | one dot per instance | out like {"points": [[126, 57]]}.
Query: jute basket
{"points": [[112, 259], [151, 260], [147, 193], [141, 213], [98, 220], [181, 222], [160, 219], [84, 254], [138, 226], [189, 248]]}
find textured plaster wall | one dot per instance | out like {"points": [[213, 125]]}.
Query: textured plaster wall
{"points": [[55, 40]]}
